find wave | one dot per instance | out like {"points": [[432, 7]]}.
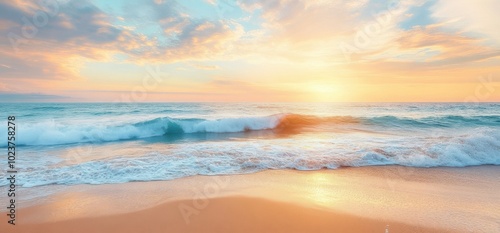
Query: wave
{"points": [[469, 148], [294, 121], [54, 133], [437, 121], [298, 121]]}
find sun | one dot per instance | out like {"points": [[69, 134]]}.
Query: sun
{"points": [[324, 92]]}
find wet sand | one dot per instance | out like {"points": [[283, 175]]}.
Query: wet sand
{"points": [[368, 199]]}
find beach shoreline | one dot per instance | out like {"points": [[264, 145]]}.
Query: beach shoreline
{"points": [[365, 199]]}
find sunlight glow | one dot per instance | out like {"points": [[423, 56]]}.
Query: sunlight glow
{"points": [[320, 191]]}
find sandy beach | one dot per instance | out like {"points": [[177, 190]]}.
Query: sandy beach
{"points": [[250, 116], [368, 199]]}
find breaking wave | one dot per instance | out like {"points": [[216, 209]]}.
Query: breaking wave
{"points": [[54, 133]]}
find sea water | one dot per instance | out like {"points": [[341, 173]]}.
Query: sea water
{"points": [[102, 143]]}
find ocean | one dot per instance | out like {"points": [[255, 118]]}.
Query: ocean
{"points": [[104, 143]]}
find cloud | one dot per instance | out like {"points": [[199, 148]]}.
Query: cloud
{"points": [[203, 39], [450, 48], [79, 31], [52, 42], [436, 51], [211, 2], [60, 22], [315, 31], [34, 66], [188, 37], [469, 16], [301, 21], [284, 40]]}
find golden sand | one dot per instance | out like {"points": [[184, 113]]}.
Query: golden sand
{"points": [[370, 199]]}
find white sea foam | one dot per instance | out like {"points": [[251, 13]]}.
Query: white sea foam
{"points": [[52, 132], [192, 139], [475, 147]]}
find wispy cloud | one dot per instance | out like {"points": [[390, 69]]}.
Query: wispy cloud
{"points": [[260, 46]]}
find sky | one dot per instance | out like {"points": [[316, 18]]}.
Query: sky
{"points": [[250, 51]]}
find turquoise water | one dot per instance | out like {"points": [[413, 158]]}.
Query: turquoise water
{"points": [[98, 143]]}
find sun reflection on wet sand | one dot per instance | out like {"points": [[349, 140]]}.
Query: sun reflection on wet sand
{"points": [[321, 191], [72, 205], [431, 197]]}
